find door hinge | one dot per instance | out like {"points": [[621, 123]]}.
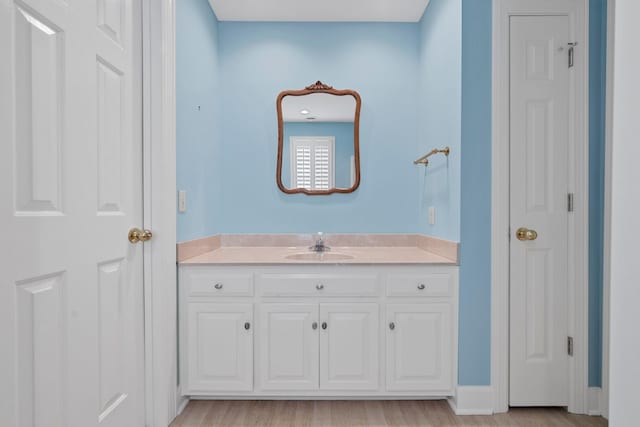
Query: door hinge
{"points": [[570, 202], [571, 53], [570, 346]]}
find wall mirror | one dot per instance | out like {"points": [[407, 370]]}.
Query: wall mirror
{"points": [[318, 140]]}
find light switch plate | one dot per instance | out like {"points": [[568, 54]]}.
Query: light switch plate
{"points": [[182, 201], [432, 215]]}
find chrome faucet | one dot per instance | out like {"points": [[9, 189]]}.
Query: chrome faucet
{"points": [[319, 245]]}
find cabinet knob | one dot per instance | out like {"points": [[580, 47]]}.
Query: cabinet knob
{"points": [[392, 326], [218, 286], [421, 286], [319, 286], [247, 326], [314, 325], [324, 325]]}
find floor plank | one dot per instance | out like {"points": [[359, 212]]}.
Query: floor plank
{"points": [[370, 413]]}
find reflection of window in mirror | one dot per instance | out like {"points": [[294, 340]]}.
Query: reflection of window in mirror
{"points": [[312, 162]]}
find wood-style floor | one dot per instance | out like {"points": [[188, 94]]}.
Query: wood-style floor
{"points": [[364, 413]]}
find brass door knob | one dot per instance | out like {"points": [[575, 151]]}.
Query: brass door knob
{"points": [[525, 234], [136, 235]]}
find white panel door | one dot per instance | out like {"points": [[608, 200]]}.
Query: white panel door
{"points": [[289, 346], [419, 347], [540, 121], [220, 340], [71, 319], [349, 346]]}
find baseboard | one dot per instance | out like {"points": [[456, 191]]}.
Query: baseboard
{"points": [[472, 400], [181, 401], [594, 401], [316, 397]]}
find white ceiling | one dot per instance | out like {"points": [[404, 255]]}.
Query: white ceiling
{"points": [[322, 11], [322, 107]]}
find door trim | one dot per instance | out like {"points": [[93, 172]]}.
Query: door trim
{"points": [[606, 271], [577, 10], [159, 181]]}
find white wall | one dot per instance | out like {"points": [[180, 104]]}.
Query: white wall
{"points": [[625, 205]]}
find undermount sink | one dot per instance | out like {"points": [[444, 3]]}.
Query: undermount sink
{"points": [[319, 256]]}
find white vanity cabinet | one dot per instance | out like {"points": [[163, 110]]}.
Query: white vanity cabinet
{"points": [[326, 346], [349, 347], [220, 340], [289, 348], [418, 343], [318, 330]]}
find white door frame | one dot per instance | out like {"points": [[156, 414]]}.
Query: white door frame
{"points": [[159, 176], [606, 271], [577, 10]]}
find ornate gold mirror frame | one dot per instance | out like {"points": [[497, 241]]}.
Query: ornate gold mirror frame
{"points": [[319, 87]]}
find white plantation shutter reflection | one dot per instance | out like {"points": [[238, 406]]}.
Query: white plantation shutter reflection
{"points": [[303, 166], [312, 163], [321, 170]]}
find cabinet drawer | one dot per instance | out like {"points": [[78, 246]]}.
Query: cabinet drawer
{"points": [[274, 285], [436, 284], [212, 284]]}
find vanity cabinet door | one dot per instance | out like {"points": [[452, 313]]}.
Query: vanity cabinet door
{"points": [[289, 346], [419, 350], [349, 346], [220, 346]]}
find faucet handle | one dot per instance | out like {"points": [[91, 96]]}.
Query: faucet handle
{"points": [[319, 245]]}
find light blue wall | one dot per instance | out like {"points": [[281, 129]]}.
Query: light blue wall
{"points": [[343, 134], [198, 130], [259, 60], [474, 355], [439, 123], [597, 116]]}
